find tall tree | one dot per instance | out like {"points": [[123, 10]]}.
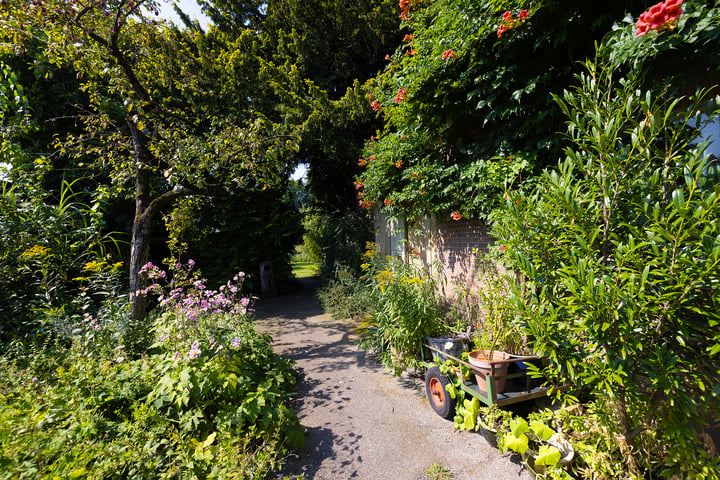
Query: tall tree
{"points": [[336, 46], [162, 120], [339, 46]]}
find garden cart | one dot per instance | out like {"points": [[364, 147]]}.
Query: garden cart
{"points": [[519, 386]]}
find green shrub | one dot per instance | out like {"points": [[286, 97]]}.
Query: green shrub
{"points": [[546, 434], [45, 244], [208, 400], [335, 241], [618, 248], [600, 450], [301, 255], [406, 310], [345, 296]]}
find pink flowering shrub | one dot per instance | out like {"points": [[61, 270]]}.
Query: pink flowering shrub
{"points": [[208, 399], [193, 319], [213, 360]]}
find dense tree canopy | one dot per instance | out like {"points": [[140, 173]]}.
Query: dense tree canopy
{"points": [[159, 115], [171, 113]]}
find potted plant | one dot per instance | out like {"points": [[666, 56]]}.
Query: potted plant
{"points": [[459, 320], [541, 447], [497, 334], [454, 346], [492, 421]]}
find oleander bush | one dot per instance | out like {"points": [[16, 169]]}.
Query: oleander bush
{"points": [[620, 261]]}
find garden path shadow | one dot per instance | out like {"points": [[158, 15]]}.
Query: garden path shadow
{"points": [[360, 421]]}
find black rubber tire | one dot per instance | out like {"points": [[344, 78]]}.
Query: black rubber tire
{"points": [[439, 398]]}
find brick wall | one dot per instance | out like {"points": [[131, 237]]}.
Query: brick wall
{"points": [[448, 246], [457, 245]]}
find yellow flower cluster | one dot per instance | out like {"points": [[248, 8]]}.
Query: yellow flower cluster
{"points": [[98, 267], [35, 251], [383, 279], [414, 280]]}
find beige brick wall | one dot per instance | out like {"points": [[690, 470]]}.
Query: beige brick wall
{"points": [[457, 245], [446, 246]]}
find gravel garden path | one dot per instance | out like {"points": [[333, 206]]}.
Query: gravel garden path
{"points": [[360, 421]]}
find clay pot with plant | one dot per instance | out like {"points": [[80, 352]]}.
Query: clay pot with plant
{"points": [[498, 336]]}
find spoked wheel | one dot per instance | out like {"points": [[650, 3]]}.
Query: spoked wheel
{"points": [[440, 399]]}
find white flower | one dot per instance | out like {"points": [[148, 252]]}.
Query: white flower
{"points": [[448, 345]]}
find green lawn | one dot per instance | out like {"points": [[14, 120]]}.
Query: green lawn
{"points": [[304, 269]]}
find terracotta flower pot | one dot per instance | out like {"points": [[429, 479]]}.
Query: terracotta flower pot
{"points": [[480, 360]]}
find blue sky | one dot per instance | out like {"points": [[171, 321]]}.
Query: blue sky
{"points": [[188, 6]]}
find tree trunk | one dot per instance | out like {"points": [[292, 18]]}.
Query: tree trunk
{"points": [[146, 209], [142, 224], [139, 254]]}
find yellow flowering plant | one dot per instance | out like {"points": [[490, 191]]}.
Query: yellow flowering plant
{"points": [[406, 310]]}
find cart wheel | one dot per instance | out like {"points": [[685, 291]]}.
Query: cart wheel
{"points": [[440, 399]]}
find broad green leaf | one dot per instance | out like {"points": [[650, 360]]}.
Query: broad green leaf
{"points": [[541, 430], [518, 444], [518, 426], [296, 437], [469, 422], [643, 278], [475, 407], [548, 455]]}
